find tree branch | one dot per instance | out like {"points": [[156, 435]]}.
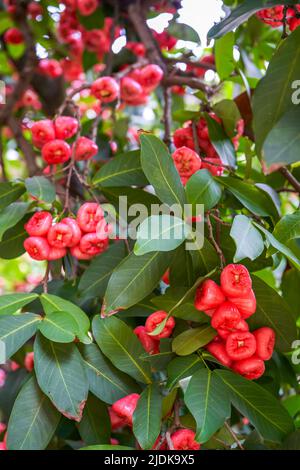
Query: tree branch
{"points": [[290, 178], [24, 145]]}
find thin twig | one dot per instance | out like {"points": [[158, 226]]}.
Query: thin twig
{"points": [[214, 242], [290, 178], [233, 435], [46, 278], [2, 164], [167, 116]]}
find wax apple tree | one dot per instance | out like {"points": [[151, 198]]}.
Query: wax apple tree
{"points": [[149, 226]]}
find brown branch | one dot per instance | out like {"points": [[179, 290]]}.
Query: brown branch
{"points": [[24, 145], [236, 439], [185, 60], [213, 241], [2, 164], [192, 82], [290, 178]]}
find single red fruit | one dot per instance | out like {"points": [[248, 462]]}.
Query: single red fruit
{"points": [[184, 138], [89, 215], [184, 439], [130, 89], [186, 161], [241, 326], [150, 344], [56, 253], [226, 316], [87, 7], [105, 89], [37, 247], [155, 319], [265, 342], [85, 149], [150, 77], [29, 361], [13, 36], [218, 350], [77, 253], [42, 132], [209, 296], [75, 229], [60, 235], [65, 127], [251, 368], [116, 421], [125, 407], [246, 305], [50, 67], [92, 245], [240, 345], [39, 224], [56, 151], [236, 280]]}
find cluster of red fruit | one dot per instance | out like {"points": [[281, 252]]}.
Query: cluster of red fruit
{"points": [[151, 342], [86, 236], [275, 16], [121, 414], [188, 163], [50, 137], [229, 305]]}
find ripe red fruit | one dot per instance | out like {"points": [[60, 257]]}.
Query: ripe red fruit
{"points": [[76, 232], [88, 216], [272, 16], [85, 149], [87, 7], [56, 253], [125, 407], [39, 224], [236, 280], [166, 277], [184, 138], [186, 161], [56, 151], [65, 127], [150, 77], [50, 67], [218, 350], [77, 253], [155, 319], [240, 345], [116, 421], [226, 316], [251, 368], [208, 296], [130, 89], [60, 235], [92, 245], [265, 342], [105, 89], [246, 305], [37, 247], [150, 344], [241, 326], [13, 36], [42, 132], [184, 439], [29, 361]]}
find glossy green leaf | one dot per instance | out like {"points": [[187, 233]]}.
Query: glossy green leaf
{"points": [[248, 240], [221, 142], [191, 340], [266, 414], [160, 233], [225, 63], [94, 428], [201, 188], [134, 279], [16, 330], [59, 327], [228, 111], [183, 31], [61, 376], [160, 170], [12, 243], [53, 303], [11, 215], [118, 342], [41, 188], [105, 381], [209, 402], [123, 170], [182, 367], [10, 192], [147, 417], [10, 303], [95, 278], [33, 419]]}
